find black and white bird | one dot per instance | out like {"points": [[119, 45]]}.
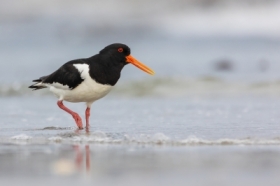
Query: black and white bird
{"points": [[88, 79]]}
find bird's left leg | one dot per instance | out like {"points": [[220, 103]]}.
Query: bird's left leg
{"points": [[87, 115], [76, 116]]}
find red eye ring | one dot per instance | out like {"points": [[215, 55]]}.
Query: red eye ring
{"points": [[120, 49]]}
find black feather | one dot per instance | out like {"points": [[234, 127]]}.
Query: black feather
{"points": [[105, 68], [67, 74]]}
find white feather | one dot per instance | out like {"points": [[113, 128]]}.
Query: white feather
{"points": [[59, 86], [88, 91]]}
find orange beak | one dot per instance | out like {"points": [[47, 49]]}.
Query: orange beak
{"points": [[138, 64]]}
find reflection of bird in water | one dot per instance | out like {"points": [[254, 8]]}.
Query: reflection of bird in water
{"points": [[79, 157], [88, 79], [68, 167]]}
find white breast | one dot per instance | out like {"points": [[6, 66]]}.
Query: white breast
{"points": [[88, 91]]}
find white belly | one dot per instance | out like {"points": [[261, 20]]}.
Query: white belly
{"points": [[88, 91], [85, 92]]}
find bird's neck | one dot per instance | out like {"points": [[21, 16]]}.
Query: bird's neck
{"points": [[105, 71]]}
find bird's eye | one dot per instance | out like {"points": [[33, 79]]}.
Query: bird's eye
{"points": [[120, 49]]}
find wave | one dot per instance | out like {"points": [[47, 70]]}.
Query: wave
{"points": [[167, 87], [100, 137]]}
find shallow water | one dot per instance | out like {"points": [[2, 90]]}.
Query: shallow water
{"points": [[139, 165], [142, 141], [167, 119]]}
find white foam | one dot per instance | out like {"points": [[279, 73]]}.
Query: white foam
{"points": [[160, 138], [21, 137], [192, 140], [55, 139], [98, 137], [142, 139]]}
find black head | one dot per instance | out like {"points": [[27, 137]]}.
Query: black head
{"points": [[120, 53], [117, 49]]}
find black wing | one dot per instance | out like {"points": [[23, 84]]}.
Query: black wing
{"points": [[67, 75]]}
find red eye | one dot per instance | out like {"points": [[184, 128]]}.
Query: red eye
{"points": [[120, 49]]}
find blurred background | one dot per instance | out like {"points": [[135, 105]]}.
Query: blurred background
{"points": [[199, 49], [189, 43]]}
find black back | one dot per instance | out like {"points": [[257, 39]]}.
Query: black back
{"points": [[105, 68]]}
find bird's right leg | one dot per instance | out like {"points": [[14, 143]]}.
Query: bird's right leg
{"points": [[76, 116], [88, 114], [87, 117]]}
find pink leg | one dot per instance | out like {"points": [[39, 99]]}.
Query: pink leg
{"points": [[79, 157], [76, 116], [87, 117]]}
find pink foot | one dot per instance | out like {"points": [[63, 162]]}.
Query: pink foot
{"points": [[76, 116]]}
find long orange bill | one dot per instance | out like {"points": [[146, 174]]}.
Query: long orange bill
{"points": [[135, 62]]}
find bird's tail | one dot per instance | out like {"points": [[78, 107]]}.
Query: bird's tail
{"points": [[38, 85]]}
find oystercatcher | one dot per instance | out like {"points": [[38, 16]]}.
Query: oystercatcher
{"points": [[88, 79]]}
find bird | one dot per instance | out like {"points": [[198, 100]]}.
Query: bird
{"points": [[88, 79]]}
